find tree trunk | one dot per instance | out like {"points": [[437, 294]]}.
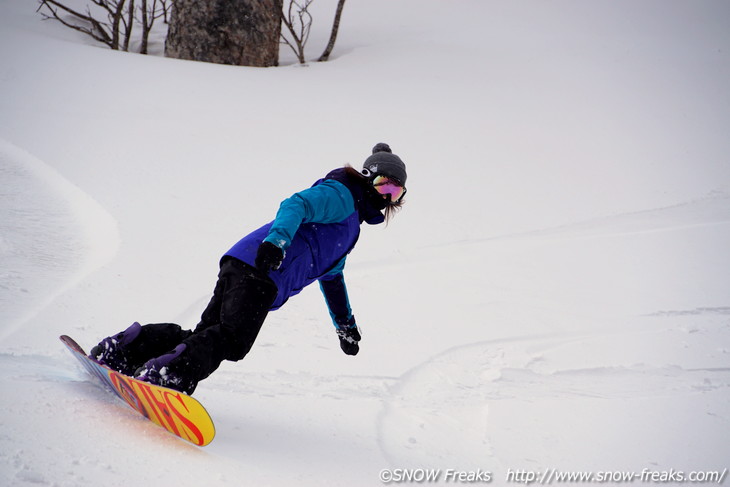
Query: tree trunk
{"points": [[333, 35], [148, 18], [238, 32]]}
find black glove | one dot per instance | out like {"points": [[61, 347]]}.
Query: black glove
{"points": [[349, 338], [269, 257]]}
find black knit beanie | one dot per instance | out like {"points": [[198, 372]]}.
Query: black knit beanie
{"points": [[384, 162]]}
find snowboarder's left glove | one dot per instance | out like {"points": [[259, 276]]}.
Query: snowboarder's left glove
{"points": [[269, 257], [349, 338]]}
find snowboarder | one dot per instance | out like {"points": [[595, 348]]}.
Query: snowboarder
{"points": [[309, 240]]}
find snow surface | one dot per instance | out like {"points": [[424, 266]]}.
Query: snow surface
{"points": [[555, 293]]}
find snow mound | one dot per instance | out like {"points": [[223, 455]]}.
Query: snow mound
{"points": [[52, 235]]}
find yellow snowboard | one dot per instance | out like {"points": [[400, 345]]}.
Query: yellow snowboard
{"points": [[175, 411]]}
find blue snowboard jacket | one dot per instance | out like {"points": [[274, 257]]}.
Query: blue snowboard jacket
{"points": [[316, 228]]}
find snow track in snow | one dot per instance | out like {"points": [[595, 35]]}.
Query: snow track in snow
{"points": [[506, 403]]}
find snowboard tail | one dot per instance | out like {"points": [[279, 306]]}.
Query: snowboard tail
{"points": [[175, 411]]}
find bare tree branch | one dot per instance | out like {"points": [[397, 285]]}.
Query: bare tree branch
{"points": [[299, 25], [97, 30], [121, 16]]}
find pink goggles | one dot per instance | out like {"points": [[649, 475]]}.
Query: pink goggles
{"points": [[389, 187]]}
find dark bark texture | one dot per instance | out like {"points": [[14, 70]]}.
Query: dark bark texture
{"points": [[237, 32]]}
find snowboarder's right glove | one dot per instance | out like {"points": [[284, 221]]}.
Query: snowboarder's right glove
{"points": [[349, 338], [269, 257]]}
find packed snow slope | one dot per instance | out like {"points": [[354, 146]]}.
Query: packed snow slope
{"points": [[554, 295]]}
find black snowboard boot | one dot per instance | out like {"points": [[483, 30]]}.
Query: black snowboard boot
{"points": [[170, 370], [111, 350], [125, 352]]}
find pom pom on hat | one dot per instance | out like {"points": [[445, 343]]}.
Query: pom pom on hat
{"points": [[381, 147]]}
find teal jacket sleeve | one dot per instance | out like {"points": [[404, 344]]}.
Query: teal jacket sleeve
{"points": [[327, 202]]}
